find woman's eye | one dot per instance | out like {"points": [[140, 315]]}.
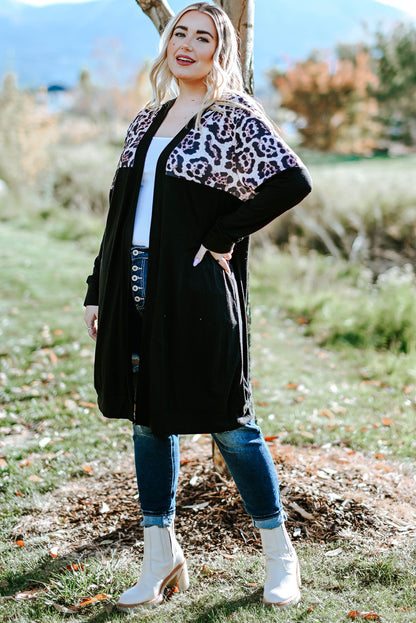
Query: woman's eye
{"points": [[204, 39], [179, 34]]}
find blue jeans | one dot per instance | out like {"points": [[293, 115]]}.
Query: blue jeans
{"points": [[247, 457], [139, 260]]}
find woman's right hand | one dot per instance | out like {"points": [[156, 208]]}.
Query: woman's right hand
{"points": [[91, 320]]}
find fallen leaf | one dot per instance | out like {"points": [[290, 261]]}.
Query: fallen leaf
{"points": [[378, 455], [327, 413], [302, 320], [321, 474], [91, 600], [197, 507], [261, 404], [292, 386], [383, 467], [30, 594], [53, 552], [52, 356], [271, 437], [35, 478], [208, 570], [387, 421], [364, 615], [76, 567], [305, 433], [89, 405], [301, 511], [19, 493], [87, 468], [334, 552], [19, 543], [171, 591], [372, 382], [339, 410]]}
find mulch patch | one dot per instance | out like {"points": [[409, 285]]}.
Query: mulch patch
{"points": [[328, 495]]}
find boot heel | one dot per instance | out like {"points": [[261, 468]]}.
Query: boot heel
{"points": [[181, 578], [298, 575]]}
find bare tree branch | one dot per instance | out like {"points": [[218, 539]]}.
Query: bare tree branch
{"points": [[159, 12]]}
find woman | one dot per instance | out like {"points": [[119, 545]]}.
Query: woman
{"points": [[198, 174]]}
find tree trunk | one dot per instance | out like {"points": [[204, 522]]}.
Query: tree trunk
{"points": [[241, 13], [159, 12]]}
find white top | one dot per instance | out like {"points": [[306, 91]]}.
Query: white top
{"points": [[143, 217]]}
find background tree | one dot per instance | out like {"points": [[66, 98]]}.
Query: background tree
{"points": [[27, 132], [331, 100], [241, 13], [395, 61]]}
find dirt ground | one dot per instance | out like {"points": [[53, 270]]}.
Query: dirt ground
{"points": [[329, 494]]}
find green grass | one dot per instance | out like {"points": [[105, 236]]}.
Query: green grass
{"points": [[222, 589], [314, 385], [361, 210], [50, 430]]}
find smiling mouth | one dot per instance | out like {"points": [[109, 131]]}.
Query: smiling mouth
{"points": [[184, 60]]}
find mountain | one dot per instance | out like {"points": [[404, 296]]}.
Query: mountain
{"points": [[51, 44]]}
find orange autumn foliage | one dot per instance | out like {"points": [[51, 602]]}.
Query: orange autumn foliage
{"points": [[332, 102]]}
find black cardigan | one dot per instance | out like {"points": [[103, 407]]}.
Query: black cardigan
{"points": [[194, 353]]}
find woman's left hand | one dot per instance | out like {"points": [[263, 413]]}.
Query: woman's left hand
{"points": [[221, 258]]}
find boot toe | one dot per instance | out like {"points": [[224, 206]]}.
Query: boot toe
{"points": [[275, 599], [135, 597]]}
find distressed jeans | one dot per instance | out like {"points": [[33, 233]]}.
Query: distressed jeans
{"points": [[247, 457]]}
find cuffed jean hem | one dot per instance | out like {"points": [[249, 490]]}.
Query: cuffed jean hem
{"points": [[163, 521], [270, 522]]}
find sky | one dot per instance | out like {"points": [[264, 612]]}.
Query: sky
{"points": [[407, 5]]}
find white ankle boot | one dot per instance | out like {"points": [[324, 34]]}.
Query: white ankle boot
{"points": [[163, 565], [282, 584]]}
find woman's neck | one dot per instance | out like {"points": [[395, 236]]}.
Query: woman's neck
{"points": [[191, 94]]}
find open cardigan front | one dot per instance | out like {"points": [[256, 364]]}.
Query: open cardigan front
{"points": [[214, 185]]}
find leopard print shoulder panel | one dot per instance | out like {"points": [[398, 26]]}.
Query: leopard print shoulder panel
{"points": [[135, 133], [235, 150]]}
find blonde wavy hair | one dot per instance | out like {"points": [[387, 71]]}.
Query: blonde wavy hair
{"points": [[225, 77]]}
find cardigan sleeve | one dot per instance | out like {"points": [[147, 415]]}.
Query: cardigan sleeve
{"points": [[93, 281], [280, 193]]}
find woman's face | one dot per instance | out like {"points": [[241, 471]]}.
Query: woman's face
{"points": [[191, 48]]}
